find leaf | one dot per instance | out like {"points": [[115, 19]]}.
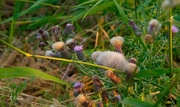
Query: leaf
{"points": [[14, 72], [155, 72], [176, 20], [132, 102], [121, 12], [33, 7]]}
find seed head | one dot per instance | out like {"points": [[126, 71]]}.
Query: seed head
{"points": [[42, 44], [149, 39], [82, 101], [112, 59], [78, 89], [133, 60], [58, 46], [97, 84], [95, 55], [100, 104], [131, 68], [116, 99], [56, 31], [105, 97], [135, 28], [170, 3], [111, 75], [117, 42], [44, 34], [49, 53], [154, 26], [71, 43]]}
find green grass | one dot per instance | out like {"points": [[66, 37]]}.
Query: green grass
{"points": [[157, 83]]}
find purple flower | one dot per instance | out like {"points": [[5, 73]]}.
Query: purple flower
{"points": [[78, 48], [175, 29], [77, 85]]}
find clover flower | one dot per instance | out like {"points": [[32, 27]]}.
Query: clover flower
{"points": [[154, 27], [111, 59], [111, 75], [117, 42]]}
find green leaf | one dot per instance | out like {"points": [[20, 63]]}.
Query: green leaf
{"points": [[33, 7], [14, 72], [176, 20], [155, 72], [121, 12], [132, 102]]}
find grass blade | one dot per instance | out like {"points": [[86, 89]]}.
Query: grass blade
{"points": [[121, 12], [25, 71]]}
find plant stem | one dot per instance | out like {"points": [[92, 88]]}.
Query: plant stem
{"points": [[170, 42], [135, 6]]}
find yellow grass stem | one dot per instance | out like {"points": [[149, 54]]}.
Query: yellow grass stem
{"points": [[58, 59]]}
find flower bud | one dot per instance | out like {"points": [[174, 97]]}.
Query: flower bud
{"points": [[78, 89], [44, 34], [105, 97], [133, 60], [116, 99], [42, 44], [82, 101], [79, 53], [135, 28], [131, 70], [110, 74], [100, 104], [56, 31], [69, 30], [97, 84], [60, 46], [71, 43], [149, 39]]}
